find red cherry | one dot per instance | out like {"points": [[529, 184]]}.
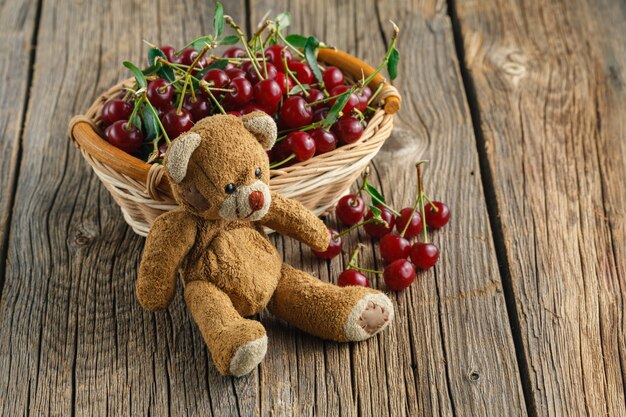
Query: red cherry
{"points": [[393, 247], [366, 93], [362, 106], [200, 107], [125, 136], [234, 113], [352, 102], [424, 255], [380, 229], [350, 209], [399, 274], [352, 277], [241, 96], [320, 114], [315, 95], [332, 77], [267, 93], [234, 52], [216, 77], [437, 218], [274, 55], [303, 72], [334, 247], [301, 144], [169, 52], [162, 149], [159, 92], [416, 225], [177, 123], [187, 56], [235, 72], [251, 74], [348, 129], [294, 113], [325, 141], [115, 110], [284, 82], [164, 109]]}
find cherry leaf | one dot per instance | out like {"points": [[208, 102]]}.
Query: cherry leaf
{"points": [[392, 64], [310, 49], [162, 71], [297, 41], [229, 40], [218, 19], [150, 123], [333, 113], [377, 197], [139, 77]]}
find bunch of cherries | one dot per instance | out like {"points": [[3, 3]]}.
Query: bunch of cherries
{"points": [[380, 220], [316, 109]]}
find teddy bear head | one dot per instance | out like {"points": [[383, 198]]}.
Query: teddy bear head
{"points": [[220, 169]]}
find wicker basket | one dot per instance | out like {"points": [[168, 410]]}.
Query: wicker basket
{"points": [[143, 192]]}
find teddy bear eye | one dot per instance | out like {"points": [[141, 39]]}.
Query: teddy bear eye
{"points": [[230, 188], [257, 172]]}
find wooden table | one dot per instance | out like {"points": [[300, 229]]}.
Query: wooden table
{"points": [[519, 106]]}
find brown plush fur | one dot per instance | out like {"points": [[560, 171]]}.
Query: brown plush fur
{"points": [[215, 241]]}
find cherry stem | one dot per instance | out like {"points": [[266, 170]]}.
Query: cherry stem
{"points": [[353, 258], [391, 209], [293, 77], [242, 39], [296, 50], [420, 185], [311, 126], [363, 223], [284, 161], [358, 268], [323, 100], [204, 85], [392, 45], [358, 194], [432, 205], [188, 76], [259, 32], [376, 93]]}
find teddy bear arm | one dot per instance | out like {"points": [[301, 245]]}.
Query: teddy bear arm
{"points": [[169, 240], [292, 219]]}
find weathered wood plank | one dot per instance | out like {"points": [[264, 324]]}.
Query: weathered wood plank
{"points": [[549, 79], [450, 351], [18, 23]]}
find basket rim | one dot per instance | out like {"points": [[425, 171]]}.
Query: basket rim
{"points": [[88, 136]]}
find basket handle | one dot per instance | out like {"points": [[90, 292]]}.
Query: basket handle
{"points": [[355, 67]]}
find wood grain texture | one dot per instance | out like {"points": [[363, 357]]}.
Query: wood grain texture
{"points": [[549, 81]]}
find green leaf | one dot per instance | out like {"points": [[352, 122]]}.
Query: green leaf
{"points": [[392, 64], [199, 43], [376, 212], [297, 89], [218, 19], [377, 197], [150, 123], [297, 41], [333, 113], [162, 71], [310, 49], [139, 77], [229, 40], [152, 69]]}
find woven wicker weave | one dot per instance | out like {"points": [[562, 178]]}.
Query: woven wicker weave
{"points": [[143, 192]]}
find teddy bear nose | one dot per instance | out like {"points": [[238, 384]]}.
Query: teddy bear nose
{"points": [[256, 200]]}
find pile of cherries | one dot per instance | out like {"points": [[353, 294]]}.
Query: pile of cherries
{"points": [[379, 221]]}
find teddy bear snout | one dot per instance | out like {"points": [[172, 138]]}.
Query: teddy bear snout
{"points": [[256, 200]]}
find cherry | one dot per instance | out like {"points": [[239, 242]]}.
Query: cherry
{"points": [[302, 71], [416, 225], [437, 218], [235, 72], [169, 52], [163, 149], [177, 123], [424, 255], [350, 209], [200, 107], [241, 95], [352, 277], [187, 56], [334, 247], [348, 129], [274, 55], [301, 144], [115, 110], [352, 102], [315, 95], [236, 113], [284, 82], [320, 114], [125, 136], [364, 97], [216, 77], [380, 229], [159, 92], [332, 77], [366, 92], [253, 106], [234, 52], [399, 274], [267, 93], [294, 113], [393, 246], [254, 77], [325, 141]]}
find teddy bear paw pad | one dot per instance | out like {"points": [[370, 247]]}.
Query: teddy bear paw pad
{"points": [[370, 315], [248, 356]]}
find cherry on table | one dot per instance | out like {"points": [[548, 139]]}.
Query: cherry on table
{"points": [[439, 217], [424, 255], [125, 136], [415, 226], [267, 93], [393, 246], [294, 113], [301, 145], [234, 52], [334, 247], [241, 95], [115, 110], [325, 140], [216, 77], [348, 129], [350, 209], [399, 274], [352, 277], [159, 92], [332, 77], [302, 71], [380, 229], [176, 123], [352, 102], [199, 107]]}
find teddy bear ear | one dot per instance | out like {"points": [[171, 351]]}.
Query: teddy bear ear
{"points": [[179, 154], [262, 127]]}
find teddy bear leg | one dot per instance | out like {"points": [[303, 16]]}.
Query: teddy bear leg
{"points": [[329, 311], [237, 345]]}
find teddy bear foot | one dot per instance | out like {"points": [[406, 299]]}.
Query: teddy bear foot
{"points": [[248, 356], [370, 315]]}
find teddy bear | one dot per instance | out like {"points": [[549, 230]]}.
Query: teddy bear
{"points": [[215, 241]]}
